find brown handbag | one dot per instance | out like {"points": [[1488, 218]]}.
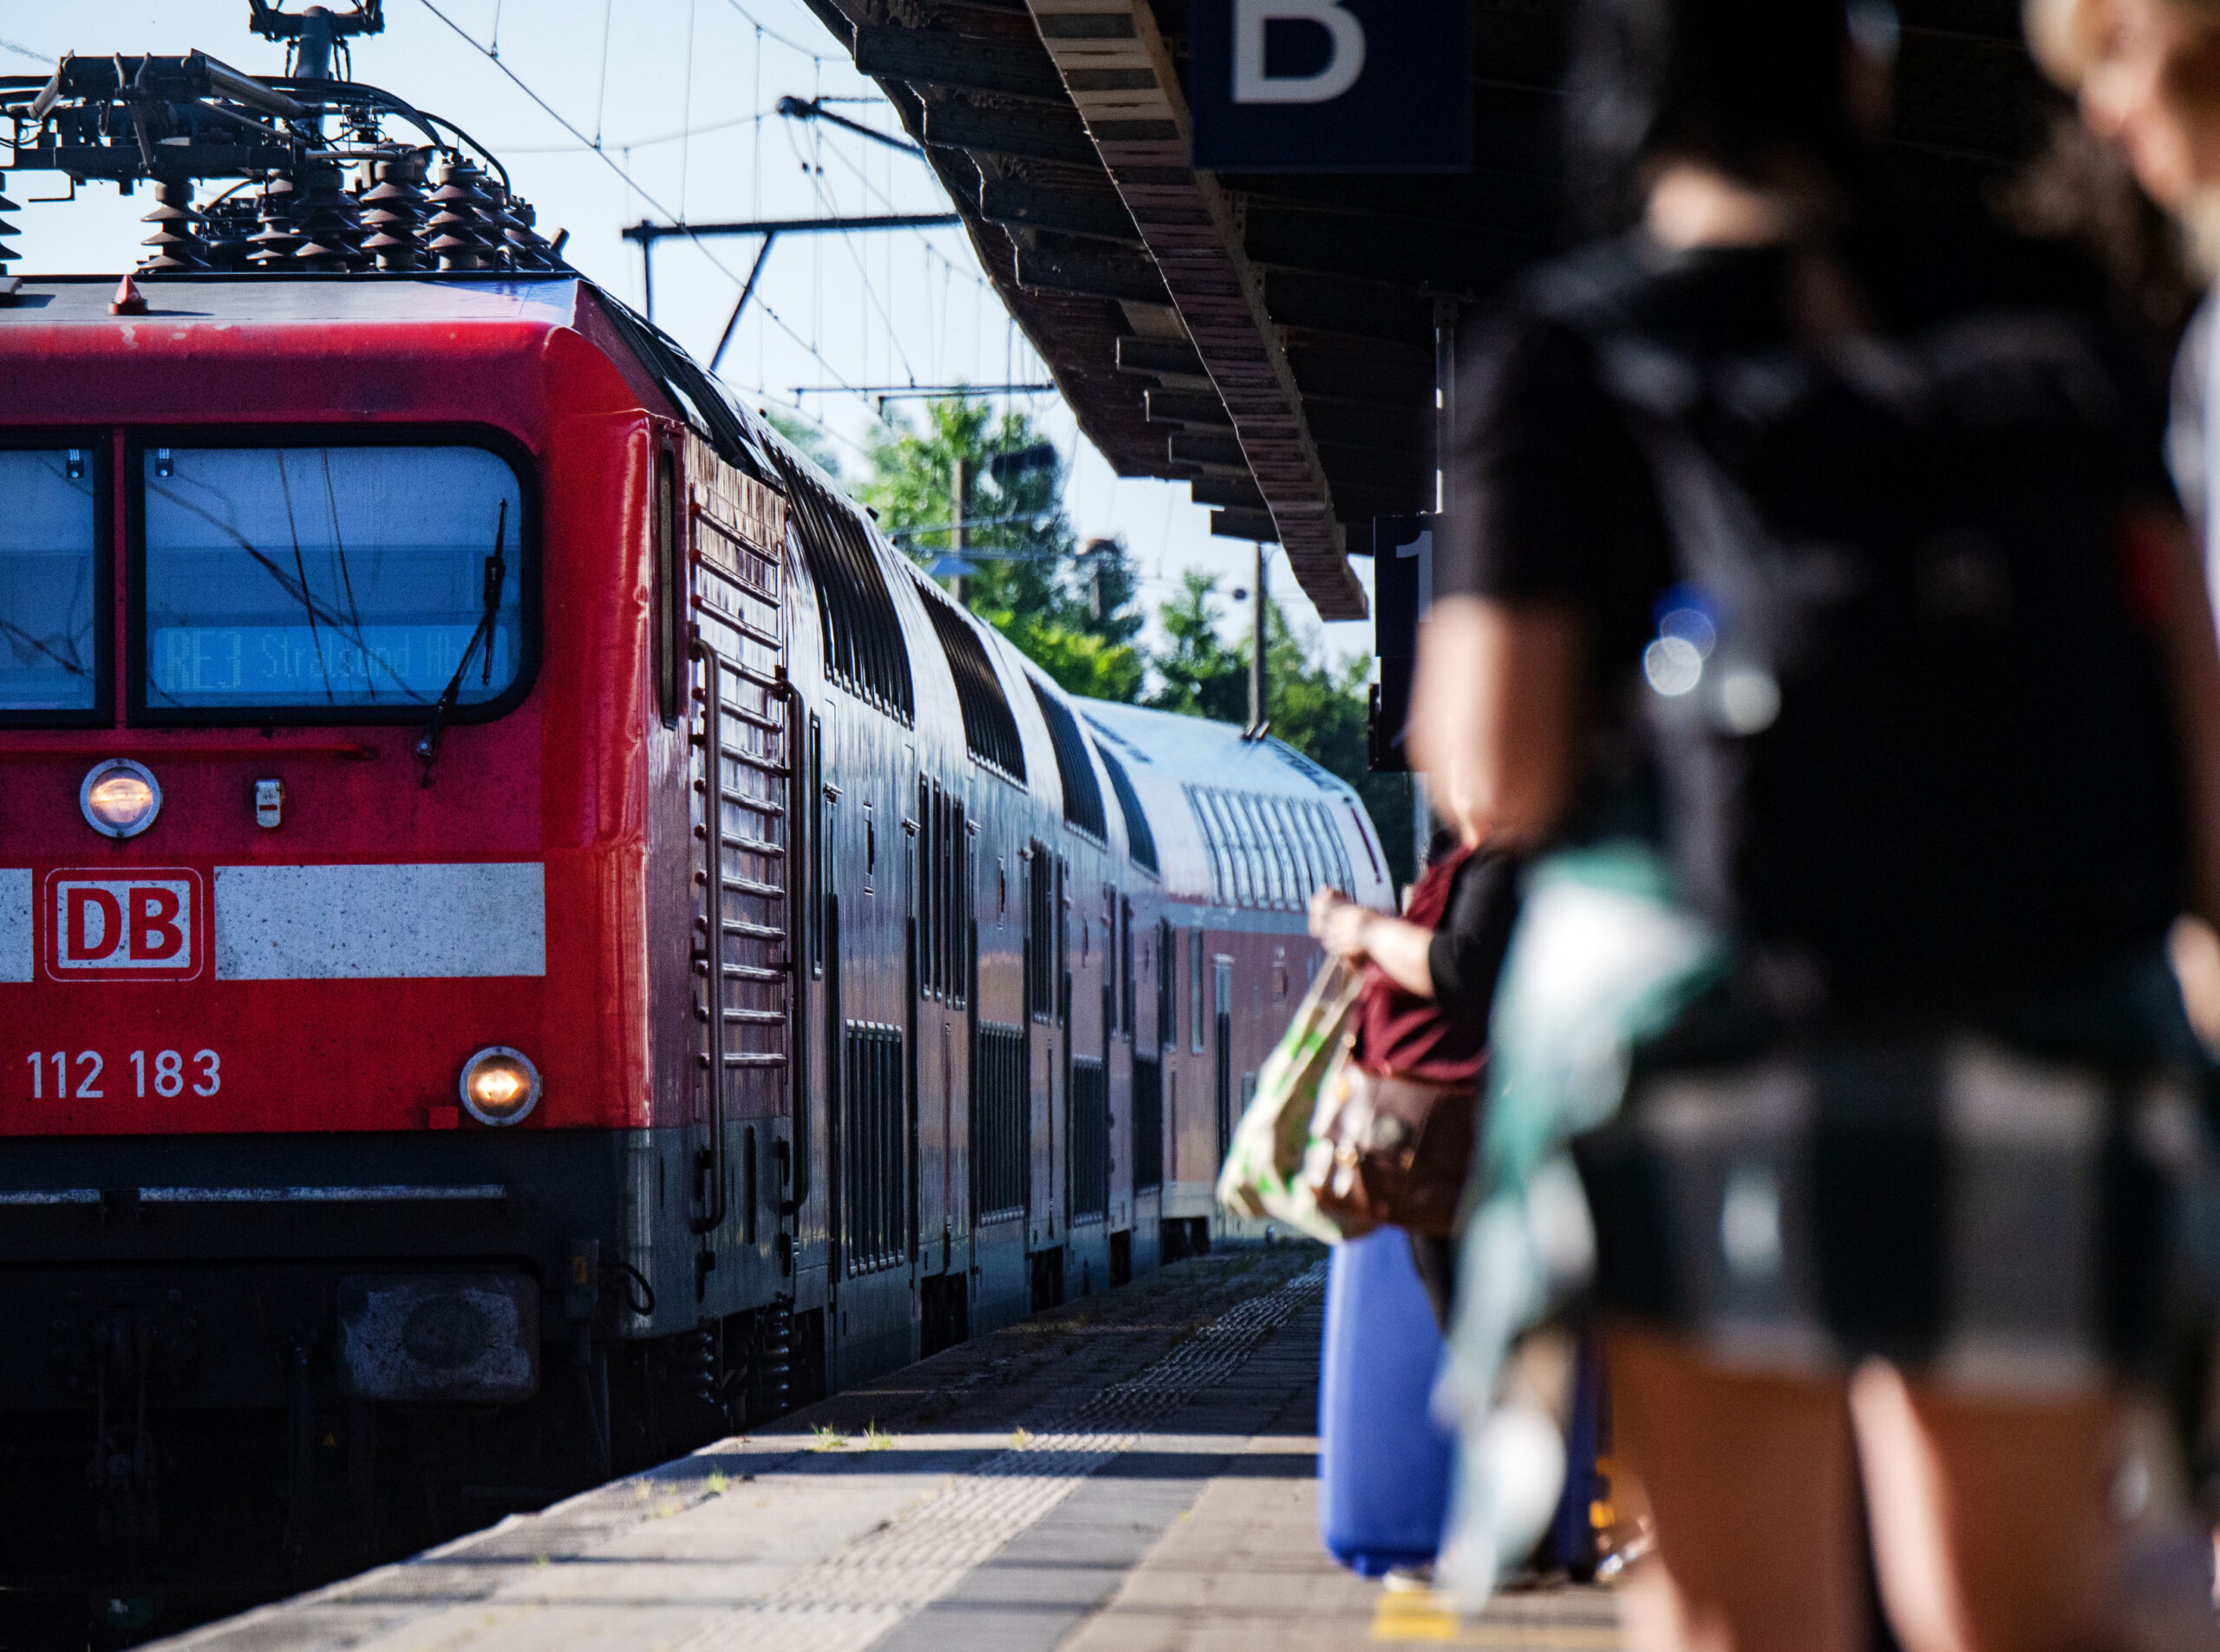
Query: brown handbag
{"points": [[1394, 1150]]}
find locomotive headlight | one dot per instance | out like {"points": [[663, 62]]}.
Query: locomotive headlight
{"points": [[119, 798], [500, 1085]]}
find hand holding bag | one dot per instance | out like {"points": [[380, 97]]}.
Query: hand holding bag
{"points": [[1391, 1150], [1264, 1162]]}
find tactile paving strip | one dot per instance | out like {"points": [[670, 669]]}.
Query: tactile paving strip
{"points": [[848, 1601]]}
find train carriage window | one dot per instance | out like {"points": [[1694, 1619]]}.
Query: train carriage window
{"points": [[670, 592], [1337, 856], [820, 817], [943, 893], [1240, 854], [1061, 906], [1263, 866], [1040, 931], [864, 651], [1111, 999], [926, 889], [1167, 984], [1363, 836], [1314, 871], [1248, 857], [52, 583], [1288, 818], [1278, 840], [958, 972], [1140, 842], [1268, 852], [989, 730], [1129, 986], [1002, 1164], [1194, 989], [1272, 834], [323, 579], [1214, 844], [1082, 796], [1222, 971]]}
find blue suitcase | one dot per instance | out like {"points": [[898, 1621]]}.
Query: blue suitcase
{"points": [[1383, 1463]]}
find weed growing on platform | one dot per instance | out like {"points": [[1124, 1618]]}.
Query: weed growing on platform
{"points": [[1019, 1439], [826, 1437], [877, 1438], [717, 1484]]}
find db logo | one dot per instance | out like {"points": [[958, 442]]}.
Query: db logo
{"points": [[146, 926]]}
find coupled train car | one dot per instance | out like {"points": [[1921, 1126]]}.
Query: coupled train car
{"points": [[529, 934]]}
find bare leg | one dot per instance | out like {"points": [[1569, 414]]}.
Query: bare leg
{"points": [[1751, 1482], [1996, 1528]]}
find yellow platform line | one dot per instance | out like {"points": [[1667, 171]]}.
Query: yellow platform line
{"points": [[1427, 1616]]}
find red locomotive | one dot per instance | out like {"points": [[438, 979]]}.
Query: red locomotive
{"points": [[529, 934]]}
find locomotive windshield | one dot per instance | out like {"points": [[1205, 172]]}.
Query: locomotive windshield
{"points": [[318, 579], [50, 577]]}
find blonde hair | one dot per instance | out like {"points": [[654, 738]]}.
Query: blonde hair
{"points": [[2066, 36], [2061, 36]]}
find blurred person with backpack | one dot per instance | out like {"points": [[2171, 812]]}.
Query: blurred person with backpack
{"points": [[1819, 620]]}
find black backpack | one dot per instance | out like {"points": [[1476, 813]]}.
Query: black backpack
{"points": [[1910, 722]]}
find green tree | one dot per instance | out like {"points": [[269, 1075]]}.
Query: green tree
{"points": [[1071, 611], [1317, 706]]}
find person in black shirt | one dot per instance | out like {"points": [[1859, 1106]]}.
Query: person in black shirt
{"points": [[1742, 128]]}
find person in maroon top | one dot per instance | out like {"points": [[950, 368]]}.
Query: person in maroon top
{"points": [[1429, 978]]}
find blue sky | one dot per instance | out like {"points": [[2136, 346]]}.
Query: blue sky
{"points": [[682, 96]]}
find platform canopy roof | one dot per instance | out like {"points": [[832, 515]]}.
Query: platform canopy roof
{"points": [[1272, 338]]}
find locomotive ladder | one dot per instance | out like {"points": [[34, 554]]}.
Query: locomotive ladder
{"points": [[742, 738]]}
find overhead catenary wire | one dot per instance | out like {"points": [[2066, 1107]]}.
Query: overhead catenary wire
{"points": [[626, 145], [686, 112], [807, 345], [855, 257], [888, 201], [629, 182], [772, 33], [601, 96]]}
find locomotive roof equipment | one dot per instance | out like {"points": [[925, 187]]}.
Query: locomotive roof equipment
{"points": [[334, 177]]}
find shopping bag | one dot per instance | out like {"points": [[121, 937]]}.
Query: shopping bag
{"points": [[1263, 1174]]}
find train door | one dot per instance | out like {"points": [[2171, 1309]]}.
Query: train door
{"points": [[741, 759], [873, 1097], [1044, 997], [1001, 1090], [1222, 999], [940, 992], [1154, 1120]]}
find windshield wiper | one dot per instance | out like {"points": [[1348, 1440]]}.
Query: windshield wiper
{"points": [[496, 573]]}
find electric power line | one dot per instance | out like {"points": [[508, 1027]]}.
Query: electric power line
{"points": [[791, 45], [686, 112], [634, 143], [601, 98], [628, 181]]}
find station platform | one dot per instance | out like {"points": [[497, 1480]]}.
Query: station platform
{"points": [[1132, 1472]]}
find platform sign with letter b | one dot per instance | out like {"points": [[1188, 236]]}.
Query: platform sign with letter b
{"points": [[1332, 85]]}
